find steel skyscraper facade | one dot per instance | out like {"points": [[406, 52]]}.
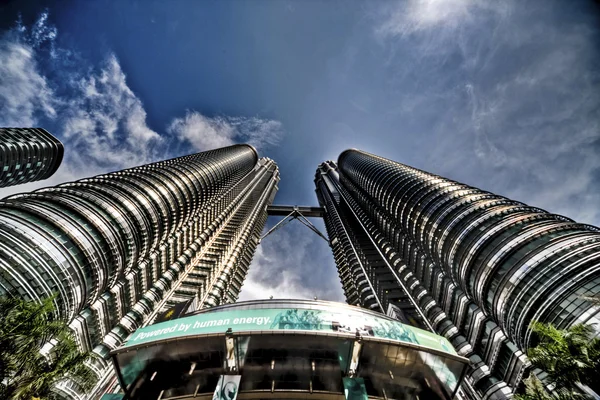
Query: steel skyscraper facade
{"points": [[468, 264], [119, 248], [27, 155]]}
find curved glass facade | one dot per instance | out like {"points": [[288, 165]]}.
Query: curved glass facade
{"points": [[476, 267], [120, 248], [27, 155]]}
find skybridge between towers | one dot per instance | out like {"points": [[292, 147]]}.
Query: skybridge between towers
{"points": [[280, 210], [299, 213], [287, 349]]}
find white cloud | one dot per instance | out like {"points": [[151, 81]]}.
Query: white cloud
{"points": [[284, 284], [412, 16], [24, 92], [105, 123], [293, 263], [101, 122], [205, 133], [39, 33], [94, 112], [202, 132]]}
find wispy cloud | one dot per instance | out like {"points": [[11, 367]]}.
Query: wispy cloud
{"points": [[438, 16], [39, 34], [105, 123], [101, 122], [205, 133], [507, 91], [24, 91], [92, 109]]}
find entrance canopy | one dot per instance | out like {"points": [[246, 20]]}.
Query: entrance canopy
{"points": [[287, 349]]}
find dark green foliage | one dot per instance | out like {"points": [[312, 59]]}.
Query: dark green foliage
{"points": [[569, 356], [534, 390], [26, 373]]}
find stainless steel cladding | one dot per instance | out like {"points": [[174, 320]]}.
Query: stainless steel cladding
{"points": [[117, 249], [477, 266], [27, 155]]}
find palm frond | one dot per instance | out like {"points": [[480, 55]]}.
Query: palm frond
{"points": [[25, 373]]}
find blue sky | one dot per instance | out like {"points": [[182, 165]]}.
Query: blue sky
{"points": [[501, 95]]}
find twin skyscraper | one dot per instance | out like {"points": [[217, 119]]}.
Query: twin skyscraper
{"points": [[119, 250]]}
